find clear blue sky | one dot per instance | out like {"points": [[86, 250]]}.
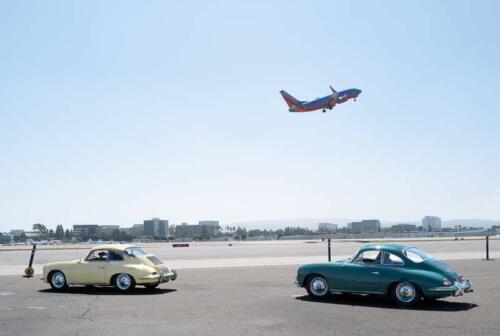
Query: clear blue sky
{"points": [[113, 112]]}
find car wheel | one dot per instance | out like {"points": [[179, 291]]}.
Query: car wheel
{"points": [[124, 282], [317, 287], [152, 286], [405, 293], [57, 281]]}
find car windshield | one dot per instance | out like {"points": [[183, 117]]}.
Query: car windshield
{"points": [[416, 255], [136, 252], [351, 259]]}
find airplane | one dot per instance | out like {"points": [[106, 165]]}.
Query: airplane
{"points": [[324, 103]]}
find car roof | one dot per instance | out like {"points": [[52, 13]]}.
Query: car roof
{"points": [[115, 247], [384, 247]]}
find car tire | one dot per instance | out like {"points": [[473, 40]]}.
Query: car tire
{"points": [[57, 281], [151, 286], [124, 282], [405, 293], [317, 287]]}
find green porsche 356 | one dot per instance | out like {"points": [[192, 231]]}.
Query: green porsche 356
{"points": [[403, 272]]}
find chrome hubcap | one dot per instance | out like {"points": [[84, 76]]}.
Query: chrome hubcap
{"points": [[405, 292], [58, 280], [123, 281], [318, 286]]}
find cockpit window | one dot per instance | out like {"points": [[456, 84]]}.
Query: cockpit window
{"points": [[416, 255]]}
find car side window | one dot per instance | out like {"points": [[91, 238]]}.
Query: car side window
{"points": [[392, 260], [371, 257], [113, 256], [98, 255]]}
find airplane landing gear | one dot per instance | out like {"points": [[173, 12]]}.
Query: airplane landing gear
{"points": [[354, 99], [324, 110]]}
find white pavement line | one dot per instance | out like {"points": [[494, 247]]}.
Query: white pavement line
{"points": [[253, 262], [6, 293]]}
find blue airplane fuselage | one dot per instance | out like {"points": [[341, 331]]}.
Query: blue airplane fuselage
{"points": [[327, 102]]}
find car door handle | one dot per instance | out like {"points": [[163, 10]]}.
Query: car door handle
{"points": [[375, 273]]}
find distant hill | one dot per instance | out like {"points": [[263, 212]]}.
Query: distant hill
{"points": [[486, 223], [312, 223], [275, 224]]}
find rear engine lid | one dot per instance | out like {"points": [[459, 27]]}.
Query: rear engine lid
{"points": [[442, 267], [155, 260]]}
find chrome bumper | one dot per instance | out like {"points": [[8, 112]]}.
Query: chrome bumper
{"points": [[296, 282], [462, 287], [162, 277], [167, 276], [457, 289]]}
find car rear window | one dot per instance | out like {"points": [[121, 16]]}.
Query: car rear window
{"points": [[136, 251], [416, 255]]}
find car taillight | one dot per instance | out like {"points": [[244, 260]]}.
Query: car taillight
{"points": [[447, 282]]}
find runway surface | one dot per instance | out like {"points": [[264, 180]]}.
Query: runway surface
{"points": [[248, 254], [244, 301]]}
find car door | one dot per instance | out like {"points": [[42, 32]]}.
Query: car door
{"points": [[92, 270], [362, 274], [391, 270], [115, 264]]}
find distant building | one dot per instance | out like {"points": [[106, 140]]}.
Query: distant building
{"points": [[16, 233], [431, 223], [32, 234], [327, 227], [210, 228], [5, 238], [138, 229], [367, 225], [85, 230], [403, 227], [107, 229], [156, 228], [186, 230]]}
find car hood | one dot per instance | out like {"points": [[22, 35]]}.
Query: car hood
{"points": [[441, 267], [321, 264], [61, 263]]}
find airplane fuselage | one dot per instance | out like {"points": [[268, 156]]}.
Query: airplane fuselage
{"points": [[327, 102]]}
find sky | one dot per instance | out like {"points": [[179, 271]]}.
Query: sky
{"points": [[118, 111]]}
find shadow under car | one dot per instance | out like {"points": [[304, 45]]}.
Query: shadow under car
{"points": [[378, 301], [107, 290]]}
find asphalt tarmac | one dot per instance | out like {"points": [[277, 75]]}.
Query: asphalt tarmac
{"points": [[244, 301], [247, 254]]}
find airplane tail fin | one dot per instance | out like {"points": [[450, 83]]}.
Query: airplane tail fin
{"points": [[290, 100], [333, 91]]}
